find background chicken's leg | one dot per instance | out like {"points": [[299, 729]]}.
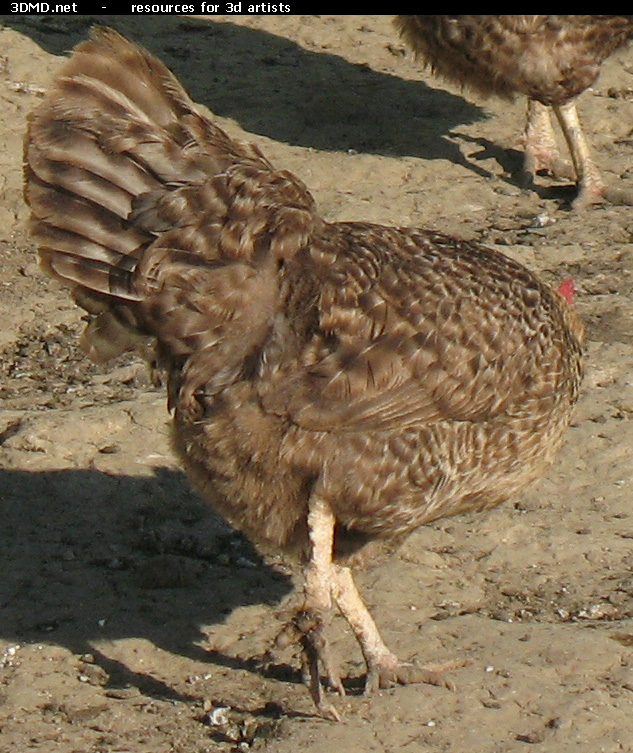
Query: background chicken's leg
{"points": [[541, 149], [591, 187]]}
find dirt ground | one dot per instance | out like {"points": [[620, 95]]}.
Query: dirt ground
{"points": [[134, 621]]}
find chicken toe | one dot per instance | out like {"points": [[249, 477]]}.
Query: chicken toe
{"points": [[391, 671]]}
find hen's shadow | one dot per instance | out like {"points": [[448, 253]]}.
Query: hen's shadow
{"points": [[91, 557], [276, 88]]}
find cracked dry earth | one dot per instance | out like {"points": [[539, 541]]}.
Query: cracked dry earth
{"points": [[133, 620]]}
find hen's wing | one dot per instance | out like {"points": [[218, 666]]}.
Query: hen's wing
{"points": [[416, 327]]}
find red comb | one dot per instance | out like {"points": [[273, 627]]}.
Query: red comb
{"points": [[567, 289]]}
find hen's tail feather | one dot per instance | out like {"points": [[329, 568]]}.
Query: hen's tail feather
{"points": [[116, 128], [142, 204]]}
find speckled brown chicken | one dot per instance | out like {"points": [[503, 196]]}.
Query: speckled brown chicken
{"points": [[331, 384], [550, 59]]}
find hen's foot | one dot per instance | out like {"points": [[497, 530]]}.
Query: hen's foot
{"points": [[316, 652], [306, 630]]}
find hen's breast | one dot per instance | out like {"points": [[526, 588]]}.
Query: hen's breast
{"points": [[408, 375]]}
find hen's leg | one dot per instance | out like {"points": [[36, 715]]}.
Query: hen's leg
{"points": [[541, 149], [384, 669], [591, 187], [324, 581], [320, 577]]}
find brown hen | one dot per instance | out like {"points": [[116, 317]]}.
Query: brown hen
{"points": [[551, 59], [332, 384]]}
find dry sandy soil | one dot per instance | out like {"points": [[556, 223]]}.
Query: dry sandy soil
{"points": [[134, 621]]}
